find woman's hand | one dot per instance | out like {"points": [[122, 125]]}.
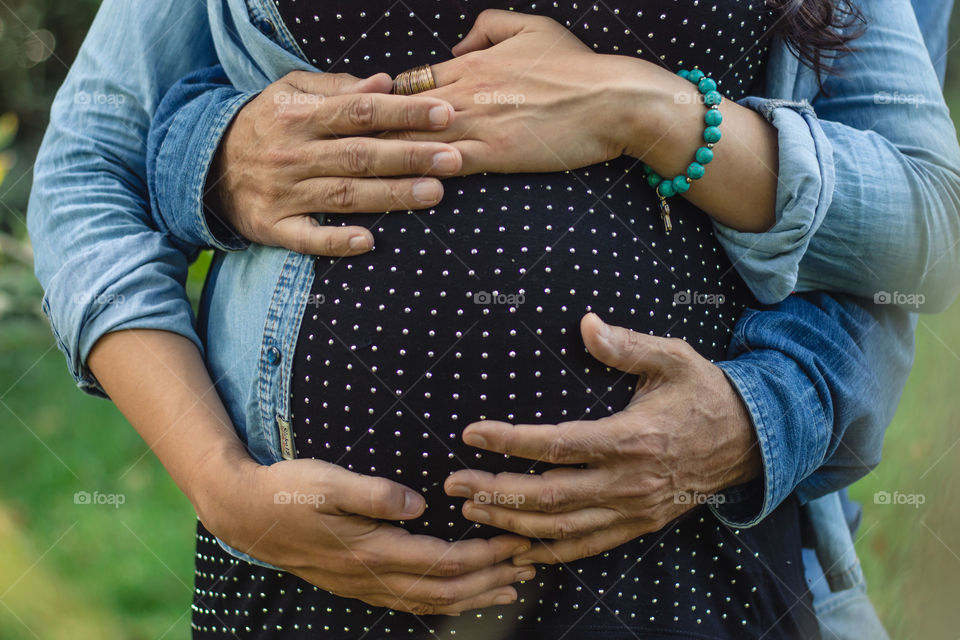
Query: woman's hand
{"points": [[326, 525], [684, 436], [530, 97], [315, 519], [305, 146]]}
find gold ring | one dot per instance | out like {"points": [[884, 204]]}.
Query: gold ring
{"points": [[416, 80]]}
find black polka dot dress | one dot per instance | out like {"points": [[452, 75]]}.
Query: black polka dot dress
{"points": [[471, 311]]}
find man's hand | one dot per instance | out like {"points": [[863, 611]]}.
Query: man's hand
{"points": [[684, 436], [326, 525], [303, 146]]}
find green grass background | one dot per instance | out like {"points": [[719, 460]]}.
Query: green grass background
{"points": [[78, 572]]}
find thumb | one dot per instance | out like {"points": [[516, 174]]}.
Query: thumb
{"points": [[626, 350], [373, 497], [492, 26], [303, 234], [335, 84]]}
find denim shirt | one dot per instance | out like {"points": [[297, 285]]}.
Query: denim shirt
{"points": [[867, 200]]}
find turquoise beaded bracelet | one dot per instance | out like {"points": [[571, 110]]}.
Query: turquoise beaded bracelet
{"points": [[666, 187]]}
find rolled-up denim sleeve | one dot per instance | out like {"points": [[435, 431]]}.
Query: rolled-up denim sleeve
{"points": [[868, 195], [770, 262], [102, 262], [186, 132], [821, 377]]}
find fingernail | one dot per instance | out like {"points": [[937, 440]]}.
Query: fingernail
{"points": [[412, 503], [439, 116], [475, 440], [504, 599], [523, 548], [459, 491], [444, 161], [478, 515], [526, 574], [426, 190], [604, 331], [359, 243]]}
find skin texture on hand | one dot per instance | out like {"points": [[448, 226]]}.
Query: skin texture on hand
{"points": [[331, 527], [529, 97], [322, 522], [684, 435], [305, 145]]}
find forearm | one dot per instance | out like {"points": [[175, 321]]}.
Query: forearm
{"points": [[739, 186], [160, 383]]}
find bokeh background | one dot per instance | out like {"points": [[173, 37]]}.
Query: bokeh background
{"points": [[98, 571]]}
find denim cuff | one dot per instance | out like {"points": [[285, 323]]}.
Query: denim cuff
{"points": [[747, 505], [183, 149], [94, 294], [769, 262], [787, 416], [76, 362]]}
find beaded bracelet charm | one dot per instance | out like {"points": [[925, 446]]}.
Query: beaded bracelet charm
{"points": [[666, 187]]}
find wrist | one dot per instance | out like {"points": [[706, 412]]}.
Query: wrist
{"points": [[663, 117], [621, 92], [220, 473]]}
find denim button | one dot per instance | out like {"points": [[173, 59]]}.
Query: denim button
{"points": [[268, 27], [273, 356]]}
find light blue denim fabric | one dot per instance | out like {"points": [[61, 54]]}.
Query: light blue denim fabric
{"points": [[833, 572], [108, 264], [866, 185], [933, 16], [834, 576]]}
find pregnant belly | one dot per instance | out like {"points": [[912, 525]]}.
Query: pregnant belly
{"points": [[471, 311]]}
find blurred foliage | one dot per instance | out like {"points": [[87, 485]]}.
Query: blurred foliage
{"points": [[9, 123], [82, 571], [38, 41]]}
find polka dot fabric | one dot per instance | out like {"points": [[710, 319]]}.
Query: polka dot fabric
{"points": [[471, 310], [363, 37]]}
